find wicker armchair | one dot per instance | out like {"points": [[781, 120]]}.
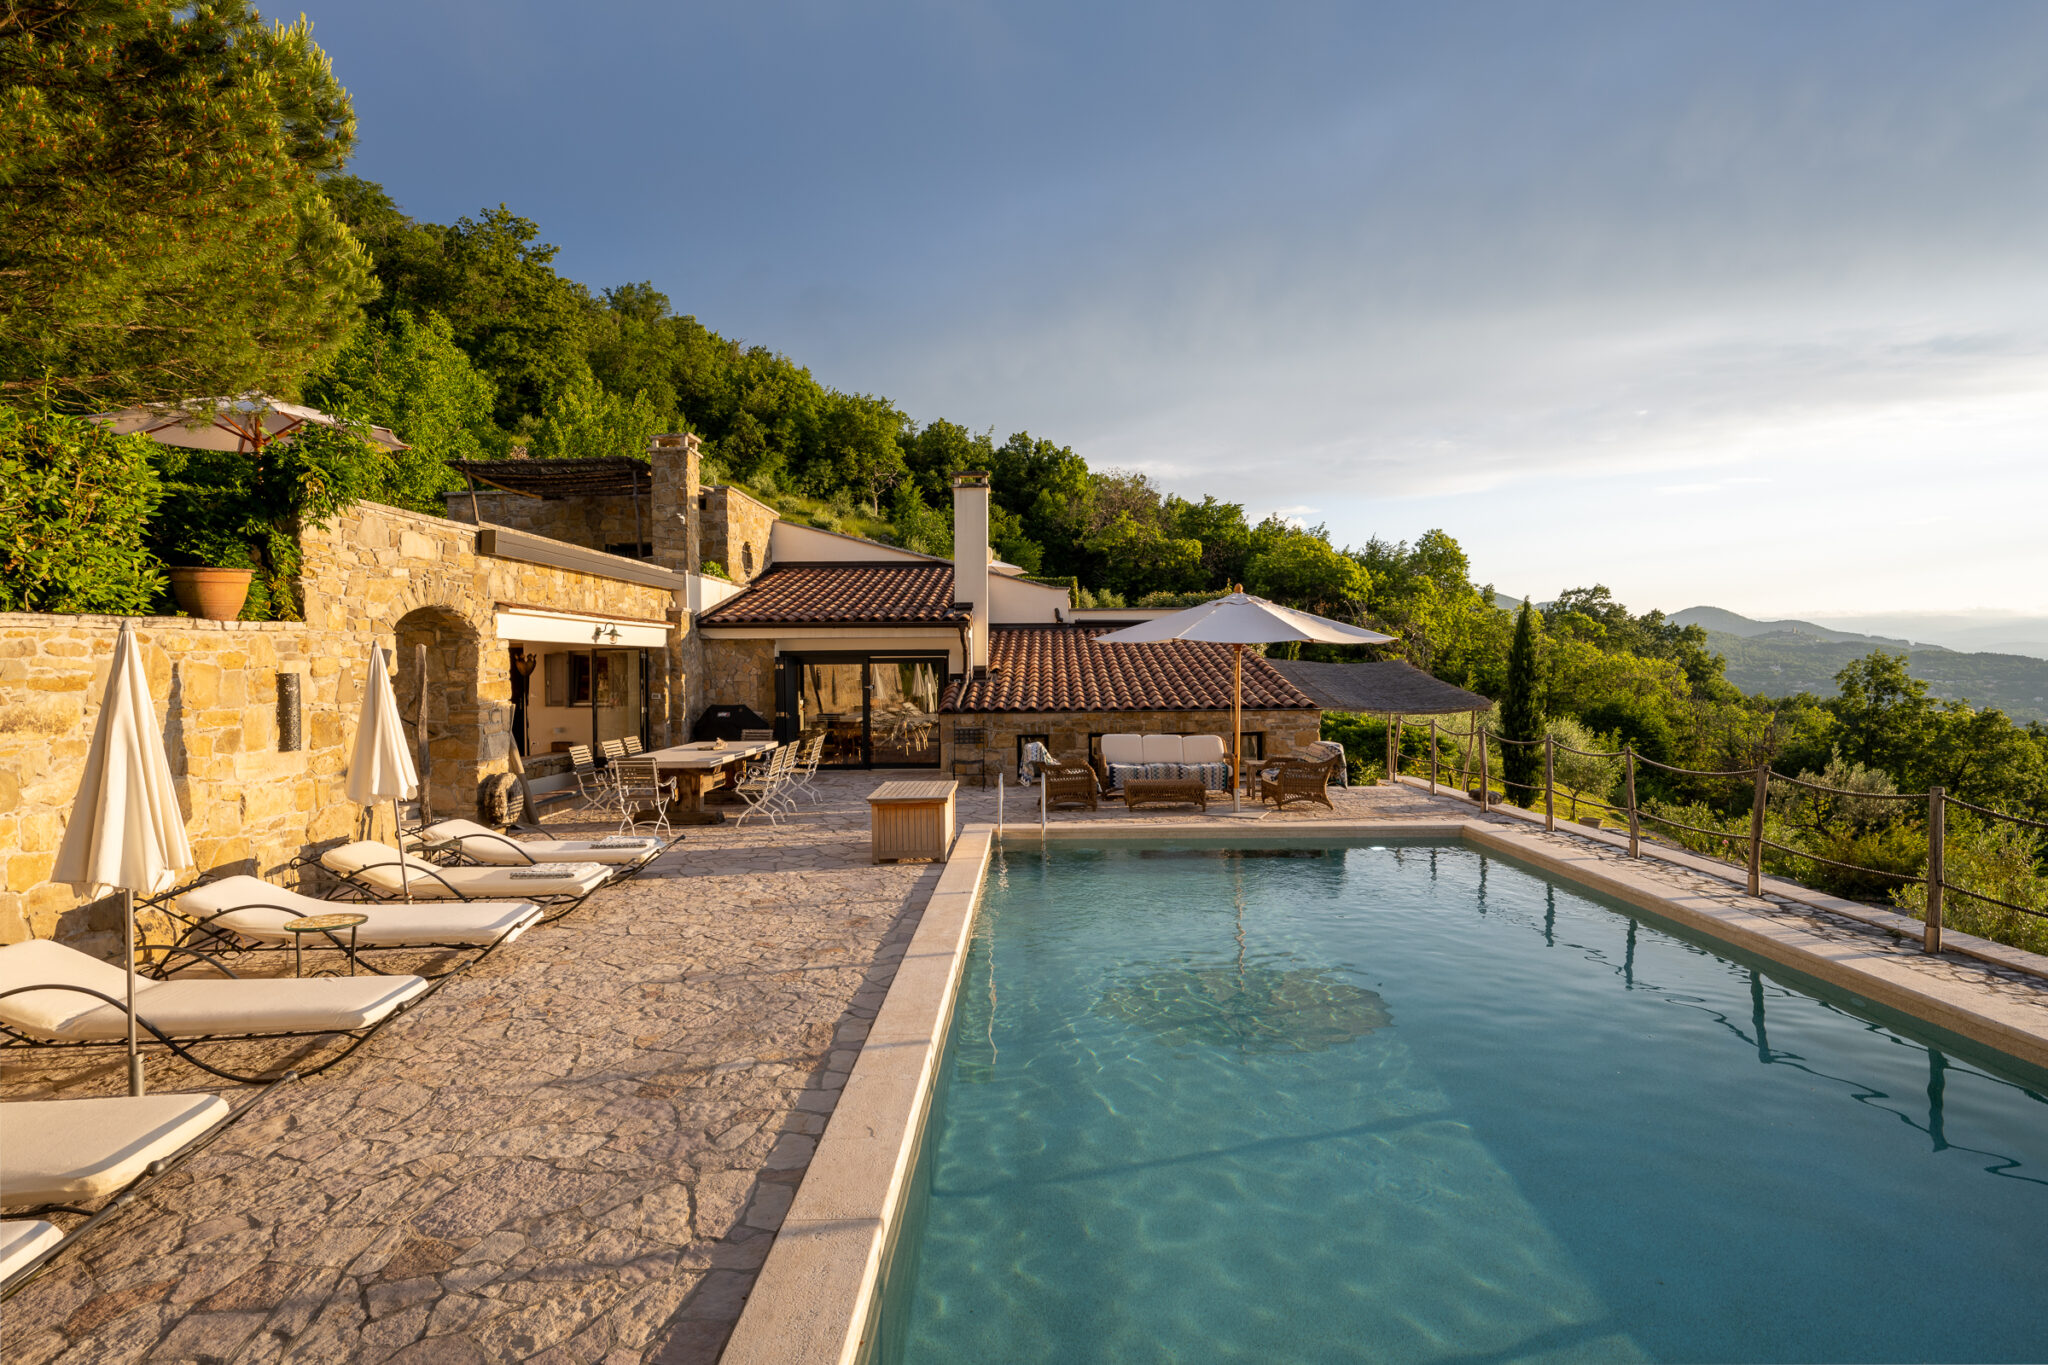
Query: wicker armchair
{"points": [[1070, 784], [1298, 779]]}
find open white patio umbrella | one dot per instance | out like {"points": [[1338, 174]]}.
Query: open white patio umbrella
{"points": [[248, 422], [125, 831], [380, 766], [1240, 619]]}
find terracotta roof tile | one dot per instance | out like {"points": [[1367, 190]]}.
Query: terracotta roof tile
{"points": [[1065, 668], [832, 594]]}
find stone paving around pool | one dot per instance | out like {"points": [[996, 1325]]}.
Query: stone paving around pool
{"points": [[581, 1150]]}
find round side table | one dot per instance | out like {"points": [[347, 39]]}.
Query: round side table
{"points": [[323, 924]]}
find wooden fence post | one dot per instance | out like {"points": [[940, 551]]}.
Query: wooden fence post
{"points": [[1635, 829], [1937, 864], [1485, 795], [1756, 829], [1432, 755], [1549, 781]]}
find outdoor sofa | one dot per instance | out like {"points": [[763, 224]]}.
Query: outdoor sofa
{"points": [[55, 996], [1204, 758]]}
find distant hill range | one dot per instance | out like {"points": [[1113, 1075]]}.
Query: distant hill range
{"points": [[1779, 658]]}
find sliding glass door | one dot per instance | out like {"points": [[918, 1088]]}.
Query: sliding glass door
{"points": [[875, 711]]}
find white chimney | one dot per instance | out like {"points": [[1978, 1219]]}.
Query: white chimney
{"points": [[970, 559]]}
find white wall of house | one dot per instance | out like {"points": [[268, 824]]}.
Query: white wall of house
{"points": [[789, 543], [1014, 602]]}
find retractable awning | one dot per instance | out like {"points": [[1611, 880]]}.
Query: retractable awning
{"points": [[568, 628]]}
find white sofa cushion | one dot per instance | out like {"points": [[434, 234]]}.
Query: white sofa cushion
{"points": [[486, 845], [24, 1239], [1161, 749], [250, 907], [1123, 749], [1203, 749], [81, 1151]]}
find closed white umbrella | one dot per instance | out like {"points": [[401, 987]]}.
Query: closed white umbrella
{"points": [[380, 766], [126, 830], [1241, 619]]}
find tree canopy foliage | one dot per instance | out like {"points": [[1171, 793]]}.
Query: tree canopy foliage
{"points": [[163, 233]]}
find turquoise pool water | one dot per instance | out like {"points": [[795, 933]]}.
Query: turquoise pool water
{"points": [[1415, 1103]]}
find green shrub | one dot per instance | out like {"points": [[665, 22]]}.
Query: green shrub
{"points": [[74, 503]]}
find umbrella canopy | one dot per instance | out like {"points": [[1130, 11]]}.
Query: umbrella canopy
{"points": [[1241, 619], [380, 766], [247, 423], [126, 830]]}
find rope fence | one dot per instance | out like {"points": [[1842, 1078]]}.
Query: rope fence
{"points": [[1476, 742]]}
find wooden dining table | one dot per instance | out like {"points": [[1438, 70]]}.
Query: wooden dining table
{"points": [[699, 768]]}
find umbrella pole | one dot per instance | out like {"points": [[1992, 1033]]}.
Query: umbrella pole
{"points": [[1236, 729], [134, 1051], [398, 837]]}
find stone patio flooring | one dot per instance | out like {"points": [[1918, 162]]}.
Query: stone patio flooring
{"points": [[579, 1151]]}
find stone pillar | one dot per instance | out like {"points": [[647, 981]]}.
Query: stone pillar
{"points": [[676, 531]]}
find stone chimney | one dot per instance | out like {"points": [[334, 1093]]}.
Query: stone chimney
{"points": [[970, 561], [672, 460]]}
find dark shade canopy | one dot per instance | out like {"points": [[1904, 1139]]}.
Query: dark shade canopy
{"points": [[1391, 687], [615, 475]]}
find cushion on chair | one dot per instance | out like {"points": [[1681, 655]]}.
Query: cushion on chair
{"points": [[46, 1014], [244, 906], [1123, 749], [191, 1007], [1161, 749], [376, 866], [24, 1239], [489, 846], [81, 1151], [1203, 749]]}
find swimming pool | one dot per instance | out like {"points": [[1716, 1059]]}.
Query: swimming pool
{"points": [[1419, 1103]]}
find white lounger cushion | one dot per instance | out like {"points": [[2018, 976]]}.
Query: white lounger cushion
{"points": [[81, 1151], [24, 1239], [1203, 749], [1162, 749], [466, 923], [486, 845], [377, 866], [184, 1007], [1123, 749]]}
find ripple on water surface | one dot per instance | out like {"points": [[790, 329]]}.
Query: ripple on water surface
{"points": [[1415, 1104]]}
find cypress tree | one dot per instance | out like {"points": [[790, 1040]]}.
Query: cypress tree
{"points": [[1521, 713]]}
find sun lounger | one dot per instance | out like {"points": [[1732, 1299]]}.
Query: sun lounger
{"points": [[77, 1152], [371, 872], [66, 1156], [243, 911], [54, 996], [26, 1243], [475, 843]]}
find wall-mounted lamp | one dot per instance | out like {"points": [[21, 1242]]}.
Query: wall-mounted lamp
{"points": [[603, 633]]}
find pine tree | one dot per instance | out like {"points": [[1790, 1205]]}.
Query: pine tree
{"points": [[163, 234], [1521, 713]]}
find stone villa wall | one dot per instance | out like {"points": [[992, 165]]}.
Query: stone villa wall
{"points": [[741, 671], [595, 521], [1069, 733], [249, 807], [373, 574], [736, 532]]}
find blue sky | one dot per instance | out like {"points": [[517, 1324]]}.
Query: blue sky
{"points": [[1732, 303]]}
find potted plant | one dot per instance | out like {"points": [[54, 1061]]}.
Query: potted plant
{"points": [[210, 573]]}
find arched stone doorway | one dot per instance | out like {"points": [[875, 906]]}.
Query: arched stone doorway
{"points": [[466, 703]]}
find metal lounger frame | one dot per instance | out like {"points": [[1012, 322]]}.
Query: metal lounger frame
{"points": [[128, 1193], [452, 854], [199, 930], [11, 1037]]}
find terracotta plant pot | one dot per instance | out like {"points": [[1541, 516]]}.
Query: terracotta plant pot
{"points": [[215, 594]]}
